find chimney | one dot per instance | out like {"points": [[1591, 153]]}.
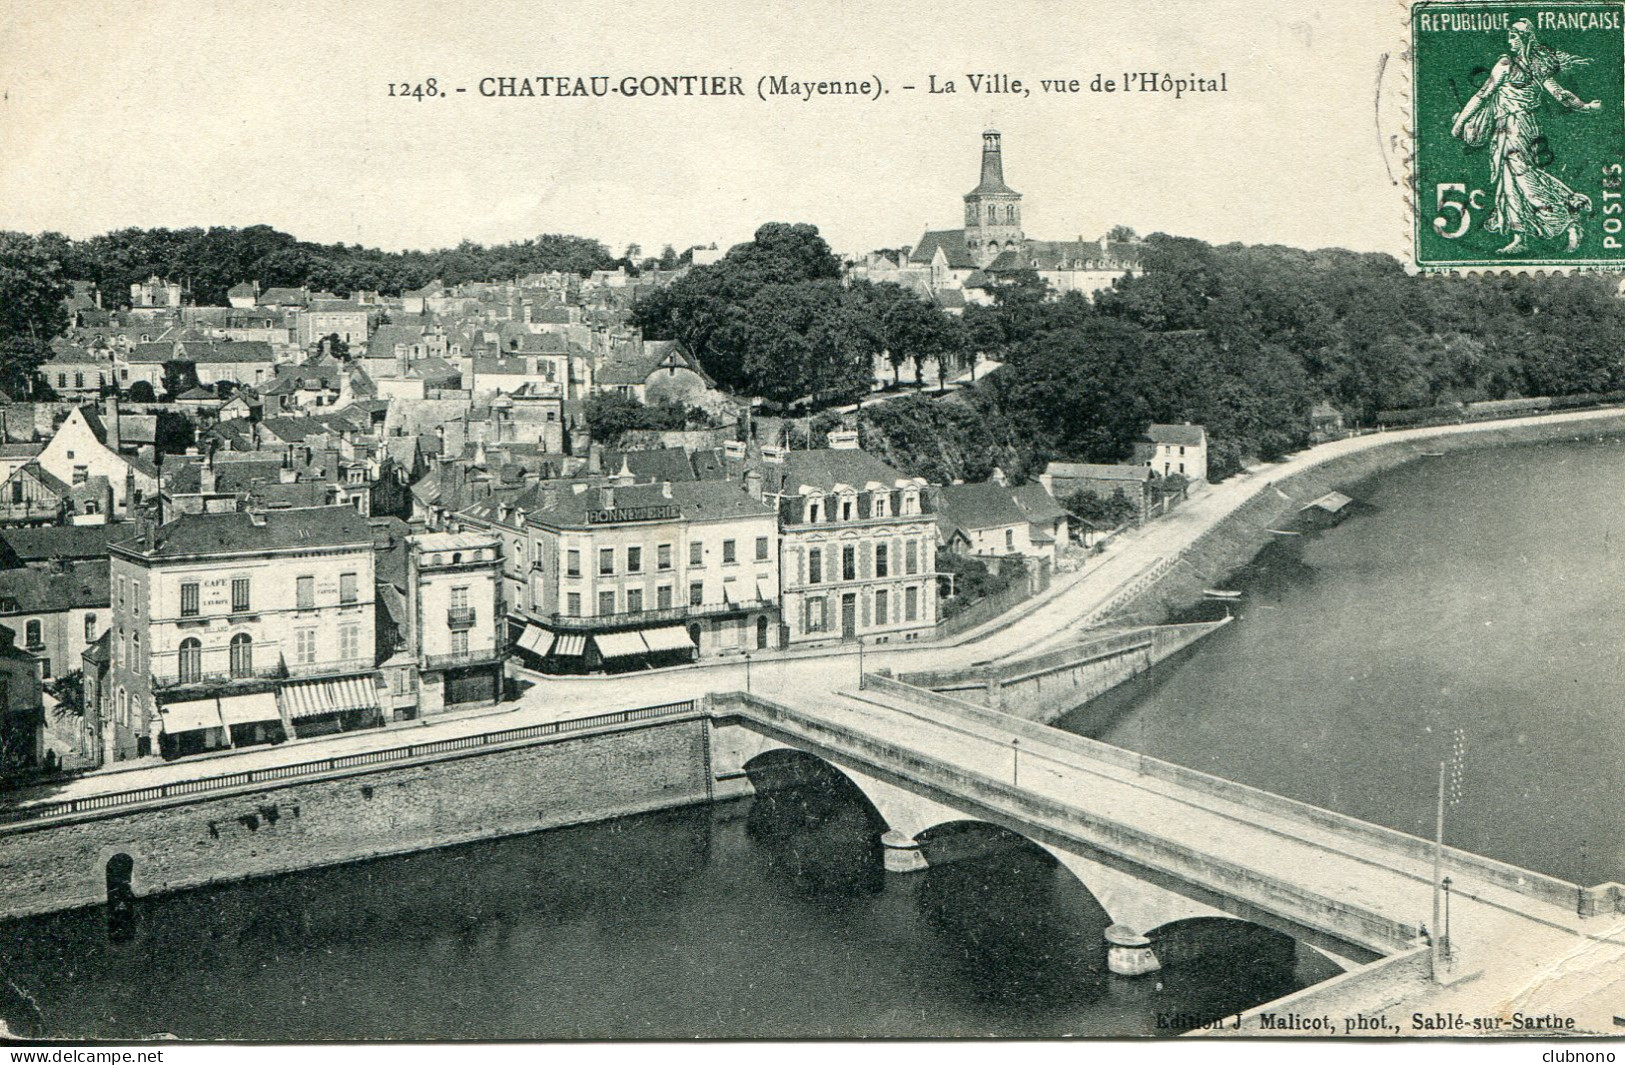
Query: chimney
{"points": [[114, 441], [287, 475], [753, 484], [665, 489]]}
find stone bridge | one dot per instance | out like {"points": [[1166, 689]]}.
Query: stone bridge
{"points": [[1156, 844]]}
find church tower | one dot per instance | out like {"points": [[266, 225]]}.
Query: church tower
{"points": [[992, 208]]}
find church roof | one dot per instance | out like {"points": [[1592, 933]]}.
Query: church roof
{"points": [[952, 243]]}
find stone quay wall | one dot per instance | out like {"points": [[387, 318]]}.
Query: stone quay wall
{"points": [[1239, 536], [357, 813]]}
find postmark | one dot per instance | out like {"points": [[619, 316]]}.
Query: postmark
{"points": [[1519, 135]]}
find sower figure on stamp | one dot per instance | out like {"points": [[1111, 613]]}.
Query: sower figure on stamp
{"points": [[1529, 201]]}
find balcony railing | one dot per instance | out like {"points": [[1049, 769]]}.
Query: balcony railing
{"points": [[460, 617], [479, 656], [174, 670], [631, 618]]}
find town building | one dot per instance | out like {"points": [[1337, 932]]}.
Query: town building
{"points": [[240, 628], [1170, 449], [22, 712], [995, 520], [1066, 479], [456, 618], [56, 612], [621, 575], [84, 447]]}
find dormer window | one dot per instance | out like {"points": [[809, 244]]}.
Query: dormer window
{"points": [[846, 510], [880, 504]]}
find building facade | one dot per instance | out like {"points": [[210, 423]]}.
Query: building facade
{"points": [[456, 617], [241, 628]]}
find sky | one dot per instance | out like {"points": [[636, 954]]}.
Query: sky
{"points": [[168, 113]]}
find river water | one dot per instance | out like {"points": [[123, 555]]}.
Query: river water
{"points": [[1475, 591]]}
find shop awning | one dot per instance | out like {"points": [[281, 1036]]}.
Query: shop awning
{"points": [[570, 645], [312, 698], [730, 591], [249, 709], [764, 589], [668, 638], [535, 640], [192, 714], [620, 644]]}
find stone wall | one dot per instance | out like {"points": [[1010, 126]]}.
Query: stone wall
{"points": [[357, 814], [1234, 541]]}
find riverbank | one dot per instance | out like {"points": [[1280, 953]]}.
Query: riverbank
{"points": [[1235, 539]]}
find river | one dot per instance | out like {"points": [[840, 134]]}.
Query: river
{"points": [[1474, 591]]}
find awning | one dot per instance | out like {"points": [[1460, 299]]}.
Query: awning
{"points": [[249, 709], [535, 639], [570, 645], [620, 644], [668, 638], [730, 591], [764, 589], [315, 697], [193, 714]]}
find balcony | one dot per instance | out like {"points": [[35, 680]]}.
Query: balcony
{"points": [[215, 666], [479, 656], [460, 617], [638, 618]]}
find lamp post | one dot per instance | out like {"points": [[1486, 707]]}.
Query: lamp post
{"points": [[861, 683], [1446, 936], [747, 671], [1015, 761], [1438, 866]]}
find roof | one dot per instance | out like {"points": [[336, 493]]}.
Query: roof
{"points": [[824, 468], [242, 533], [952, 243], [290, 296], [452, 541], [1035, 501], [559, 504], [980, 506], [46, 542], [40, 591], [657, 464], [1186, 435], [1090, 471]]}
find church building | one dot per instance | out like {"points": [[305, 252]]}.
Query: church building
{"points": [[993, 243]]}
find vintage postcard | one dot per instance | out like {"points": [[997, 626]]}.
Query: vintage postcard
{"points": [[863, 521]]}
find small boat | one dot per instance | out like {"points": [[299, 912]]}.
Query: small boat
{"points": [[1220, 593], [1285, 532], [1431, 454]]}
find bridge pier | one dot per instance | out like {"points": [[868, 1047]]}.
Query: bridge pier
{"points": [[1128, 953], [902, 852]]}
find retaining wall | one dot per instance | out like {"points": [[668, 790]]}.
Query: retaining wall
{"points": [[357, 813]]}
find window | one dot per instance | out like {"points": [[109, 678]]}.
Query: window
{"points": [[606, 560], [881, 560], [1009, 539], [663, 597], [911, 604], [191, 660], [572, 563], [880, 504], [911, 557], [78, 380], [239, 595], [459, 642], [729, 553], [121, 591], [17, 490], [242, 655], [696, 593], [846, 510], [306, 597], [880, 608], [849, 563], [817, 619], [81, 474], [347, 589], [189, 600], [304, 648], [634, 560], [634, 600], [34, 638], [62, 380], [696, 554], [349, 642], [572, 605], [761, 549], [606, 603], [459, 598], [135, 651], [815, 566], [663, 557], [90, 628]]}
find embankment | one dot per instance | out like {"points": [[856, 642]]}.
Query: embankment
{"points": [[1238, 537], [357, 813]]}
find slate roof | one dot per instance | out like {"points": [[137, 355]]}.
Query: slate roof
{"points": [[1091, 471], [952, 243], [979, 506], [45, 543], [211, 534], [824, 468], [40, 591], [695, 501], [1182, 435], [290, 297], [656, 464]]}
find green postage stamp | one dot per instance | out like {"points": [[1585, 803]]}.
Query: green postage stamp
{"points": [[1519, 134]]}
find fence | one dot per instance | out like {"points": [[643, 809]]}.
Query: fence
{"points": [[279, 773], [1032, 583]]}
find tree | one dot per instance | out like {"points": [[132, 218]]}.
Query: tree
{"points": [[142, 392], [609, 414], [31, 311], [334, 345], [1121, 234]]}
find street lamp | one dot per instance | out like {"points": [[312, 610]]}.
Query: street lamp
{"points": [[1446, 937], [861, 682], [1015, 761], [747, 671]]}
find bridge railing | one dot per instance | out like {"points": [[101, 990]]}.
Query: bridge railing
{"points": [[1344, 920], [319, 766], [1584, 900]]}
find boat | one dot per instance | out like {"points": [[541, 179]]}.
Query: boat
{"points": [[1285, 532], [1220, 593], [1431, 454]]}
